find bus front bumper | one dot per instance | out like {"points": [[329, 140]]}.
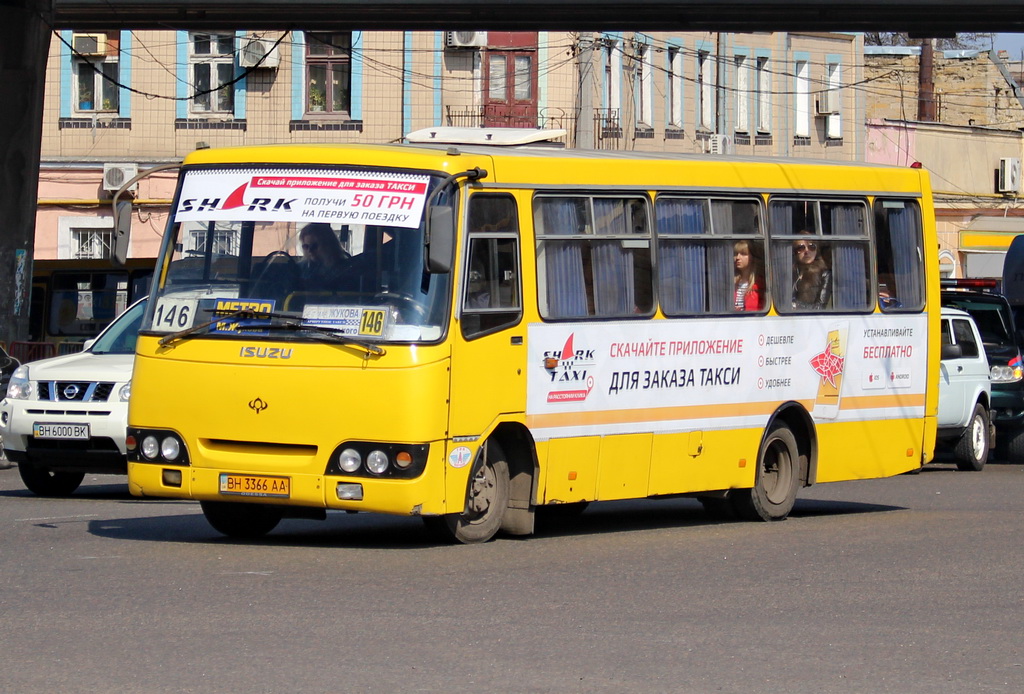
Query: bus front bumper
{"points": [[423, 495]]}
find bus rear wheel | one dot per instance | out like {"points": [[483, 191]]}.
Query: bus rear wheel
{"points": [[44, 482], [241, 521], [775, 482], [486, 499]]}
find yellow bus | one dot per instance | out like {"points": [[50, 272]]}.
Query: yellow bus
{"points": [[468, 333]]}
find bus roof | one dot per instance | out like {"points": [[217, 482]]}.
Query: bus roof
{"points": [[518, 166]]}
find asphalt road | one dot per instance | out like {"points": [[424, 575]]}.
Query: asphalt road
{"points": [[906, 585]]}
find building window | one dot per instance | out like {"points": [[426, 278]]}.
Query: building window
{"points": [[834, 126], [802, 97], [675, 88], [644, 80], [743, 94], [96, 73], [329, 73], [764, 96], [222, 240], [212, 64], [88, 244], [705, 92], [613, 77]]}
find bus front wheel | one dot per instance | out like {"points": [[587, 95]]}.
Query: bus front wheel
{"points": [[241, 521], [775, 482], [486, 499]]}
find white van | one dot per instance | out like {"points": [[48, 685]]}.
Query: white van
{"points": [[67, 416]]}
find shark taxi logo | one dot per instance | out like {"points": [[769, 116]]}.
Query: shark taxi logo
{"points": [[569, 372], [235, 200]]}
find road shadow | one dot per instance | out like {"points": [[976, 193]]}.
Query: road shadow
{"points": [[375, 531]]}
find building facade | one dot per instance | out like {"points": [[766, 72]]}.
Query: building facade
{"points": [[120, 102]]}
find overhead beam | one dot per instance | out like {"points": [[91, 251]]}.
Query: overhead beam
{"points": [[920, 17]]}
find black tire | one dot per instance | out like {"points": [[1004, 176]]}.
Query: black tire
{"points": [[486, 499], [242, 521], [45, 482], [973, 446], [1014, 447], [775, 481]]}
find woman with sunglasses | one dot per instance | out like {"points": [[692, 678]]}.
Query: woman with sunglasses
{"points": [[812, 286]]}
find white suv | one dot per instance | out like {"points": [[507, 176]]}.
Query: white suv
{"points": [[66, 416], [965, 391]]}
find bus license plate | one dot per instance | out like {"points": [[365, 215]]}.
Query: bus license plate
{"points": [[255, 485], [75, 432]]}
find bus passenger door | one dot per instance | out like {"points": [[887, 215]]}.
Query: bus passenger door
{"points": [[489, 349]]}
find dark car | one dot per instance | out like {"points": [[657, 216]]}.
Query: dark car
{"points": [[995, 320]]}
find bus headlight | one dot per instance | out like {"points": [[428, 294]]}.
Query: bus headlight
{"points": [[150, 447], [378, 459], [349, 460], [170, 449], [125, 392], [377, 462], [18, 388]]}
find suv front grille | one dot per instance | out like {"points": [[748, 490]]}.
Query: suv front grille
{"points": [[75, 391]]}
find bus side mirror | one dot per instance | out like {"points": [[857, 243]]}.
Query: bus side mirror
{"points": [[122, 231], [951, 352], [440, 239]]}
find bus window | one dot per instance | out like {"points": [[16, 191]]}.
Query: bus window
{"points": [[492, 294], [698, 240], [83, 303], [820, 258], [593, 257], [899, 255]]}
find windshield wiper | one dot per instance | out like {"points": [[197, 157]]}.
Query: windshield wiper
{"points": [[221, 316], [334, 334]]}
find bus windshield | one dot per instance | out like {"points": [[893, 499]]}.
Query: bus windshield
{"points": [[307, 254]]}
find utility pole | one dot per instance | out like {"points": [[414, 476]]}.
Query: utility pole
{"points": [[926, 82], [22, 63], [585, 70]]}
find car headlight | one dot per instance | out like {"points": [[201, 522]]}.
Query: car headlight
{"points": [[1001, 374], [125, 392], [19, 387]]}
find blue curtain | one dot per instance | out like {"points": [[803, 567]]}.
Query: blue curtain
{"points": [[781, 222], [904, 237], [681, 277], [614, 285], [565, 288], [849, 261]]}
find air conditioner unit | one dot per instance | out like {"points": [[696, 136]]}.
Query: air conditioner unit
{"points": [[116, 175], [465, 39], [719, 144], [827, 102], [89, 44], [259, 53], [1009, 175]]}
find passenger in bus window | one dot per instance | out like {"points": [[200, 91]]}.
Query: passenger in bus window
{"points": [[748, 286], [887, 298], [812, 286], [323, 258]]}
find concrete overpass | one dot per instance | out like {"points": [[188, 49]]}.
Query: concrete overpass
{"points": [[23, 54]]}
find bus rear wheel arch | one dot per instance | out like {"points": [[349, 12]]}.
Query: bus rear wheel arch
{"points": [[776, 479]]}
